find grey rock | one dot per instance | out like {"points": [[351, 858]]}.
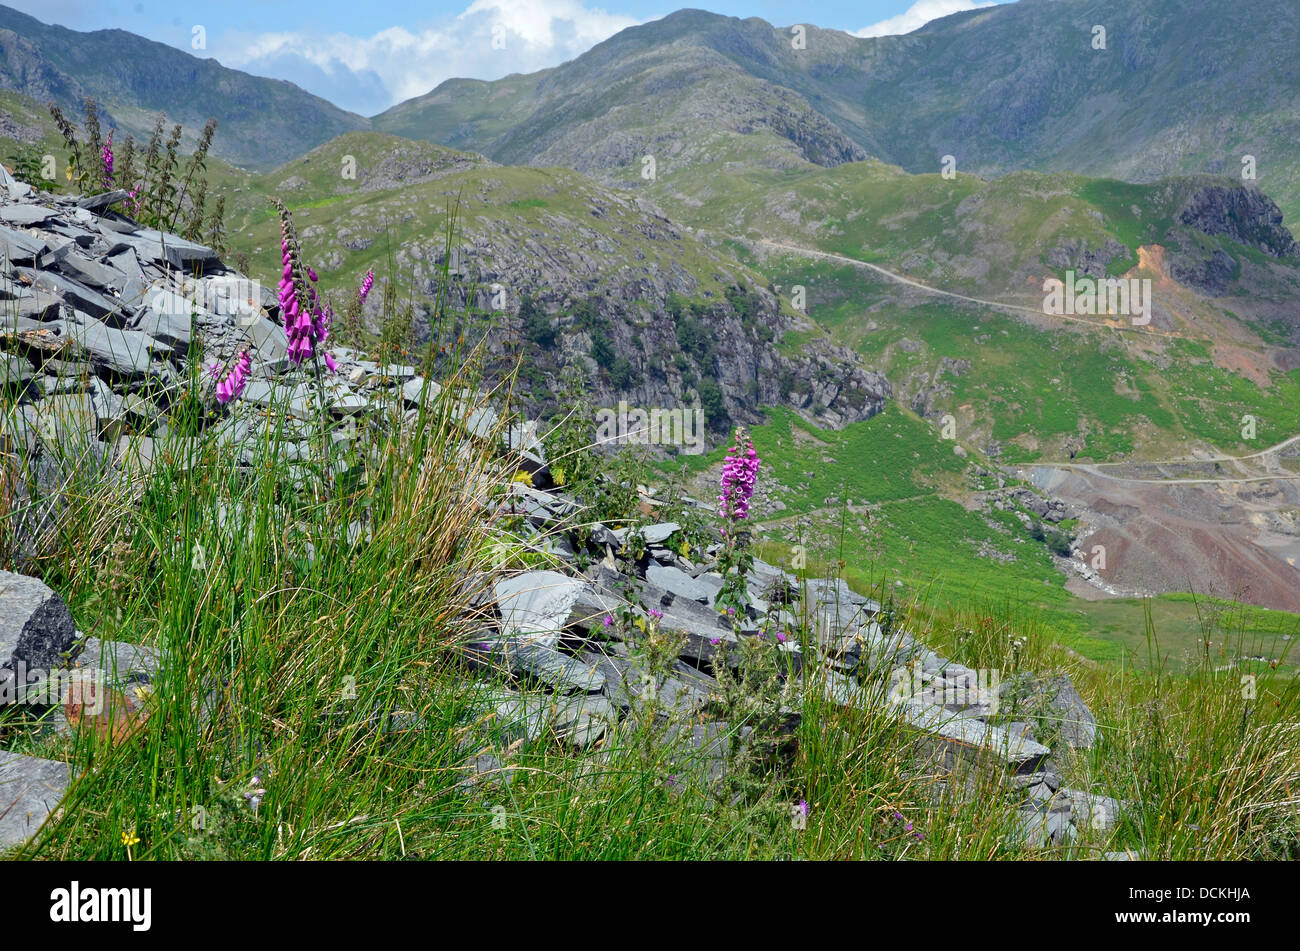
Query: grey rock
{"points": [[417, 389], [679, 583], [30, 789], [36, 632], [16, 247], [485, 768], [1078, 725], [1093, 810], [78, 295], [560, 671], [653, 534], [590, 608], [128, 353], [102, 200], [25, 216], [118, 661], [168, 249], [535, 606]]}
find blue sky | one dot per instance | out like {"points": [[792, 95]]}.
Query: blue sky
{"points": [[366, 55]]}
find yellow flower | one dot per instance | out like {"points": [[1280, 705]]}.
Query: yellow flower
{"points": [[557, 474], [524, 477], [130, 838], [685, 550]]}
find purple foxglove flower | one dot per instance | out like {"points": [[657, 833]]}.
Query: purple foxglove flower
{"points": [[232, 385], [367, 283], [107, 155], [739, 476]]}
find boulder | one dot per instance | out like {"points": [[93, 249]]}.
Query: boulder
{"points": [[535, 606], [36, 633], [30, 789]]}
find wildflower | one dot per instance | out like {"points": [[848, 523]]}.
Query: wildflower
{"points": [[715, 641], [739, 476], [803, 807], [307, 318], [130, 838], [232, 385], [671, 781], [255, 794], [656, 614], [107, 155], [609, 620], [782, 637], [367, 282]]}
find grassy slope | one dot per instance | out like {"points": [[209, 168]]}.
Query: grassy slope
{"points": [[906, 523]]}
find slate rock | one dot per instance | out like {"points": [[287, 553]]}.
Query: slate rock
{"points": [[558, 670], [485, 768], [36, 632], [26, 216], [1078, 725], [119, 661], [653, 534], [535, 606], [17, 247], [680, 584], [30, 789], [101, 201], [1093, 810], [418, 389], [126, 353], [74, 293]]}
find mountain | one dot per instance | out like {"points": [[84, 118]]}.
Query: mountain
{"points": [[571, 270], [262, 122], [1017, 86]]}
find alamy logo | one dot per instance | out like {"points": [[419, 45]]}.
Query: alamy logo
{"points": [[41, 687], [956, 691], [656, 427], [103, 904], [1111, 295]]}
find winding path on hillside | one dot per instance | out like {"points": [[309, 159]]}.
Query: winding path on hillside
{"points": [[1092, 468], [999, 305]]}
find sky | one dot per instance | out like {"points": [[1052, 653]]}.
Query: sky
{"points": [[367, 55]]}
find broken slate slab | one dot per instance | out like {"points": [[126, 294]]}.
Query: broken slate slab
{"points": [[25, 216], [36, 632], [128, 353], [30, 789], [1093, 810], [102, 200], [561, 672], [536, 605], [680, 584], [120, 662], [1078, 725], [653, 534], [17, 247], [78, 295]]}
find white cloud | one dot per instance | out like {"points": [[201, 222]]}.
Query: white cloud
{"points": [[919, 14], [370, 73]]}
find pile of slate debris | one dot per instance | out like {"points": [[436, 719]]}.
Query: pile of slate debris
{"points": [[98, 320]]}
